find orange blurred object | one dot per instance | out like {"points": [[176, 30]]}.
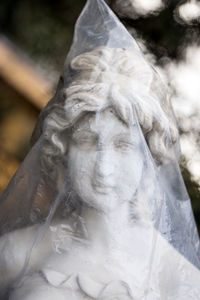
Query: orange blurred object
{"points": [[23, 93]]}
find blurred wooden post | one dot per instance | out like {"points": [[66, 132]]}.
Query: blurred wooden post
{"points": [[22, 76], [19, 75]]}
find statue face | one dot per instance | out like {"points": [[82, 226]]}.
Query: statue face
{"points": [[105, 160]]}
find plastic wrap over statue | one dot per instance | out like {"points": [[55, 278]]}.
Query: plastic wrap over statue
{"points": [[98, 209]]}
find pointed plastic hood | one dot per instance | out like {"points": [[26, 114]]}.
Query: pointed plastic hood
{"points": [[98, 26]]}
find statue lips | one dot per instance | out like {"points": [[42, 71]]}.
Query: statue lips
{"points": [[102, 188]]}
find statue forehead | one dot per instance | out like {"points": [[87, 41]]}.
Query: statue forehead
{"points": [[101, 123]]}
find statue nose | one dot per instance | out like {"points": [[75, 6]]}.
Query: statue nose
{"points": [[104, 167]]}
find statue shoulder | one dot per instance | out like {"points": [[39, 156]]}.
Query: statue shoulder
{"points": [[20, 250], [14, 248]]}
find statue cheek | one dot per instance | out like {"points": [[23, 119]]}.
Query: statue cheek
{"points": [[130, 170], [81, 168]]}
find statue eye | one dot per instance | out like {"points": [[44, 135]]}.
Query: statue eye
{"points": [[123, 145], [84, 139]]}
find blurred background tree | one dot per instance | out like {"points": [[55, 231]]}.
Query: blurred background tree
{"points": [[167, 30]]}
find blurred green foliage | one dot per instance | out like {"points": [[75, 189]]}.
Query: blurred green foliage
{"points": [[42, 28], [193, 189]]}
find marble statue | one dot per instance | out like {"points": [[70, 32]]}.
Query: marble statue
{"points": [[112, 132]]}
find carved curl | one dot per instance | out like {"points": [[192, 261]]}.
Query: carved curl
{"points": [[122, 79]]}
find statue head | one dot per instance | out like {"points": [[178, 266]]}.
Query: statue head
{"points": [[105, 160], [113, 104]]}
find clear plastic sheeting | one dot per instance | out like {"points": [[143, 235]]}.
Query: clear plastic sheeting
{"points": [[98, 209]]}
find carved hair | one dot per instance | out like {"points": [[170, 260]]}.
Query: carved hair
{"points": [[122, 79]]}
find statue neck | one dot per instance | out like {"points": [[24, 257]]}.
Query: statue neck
{"points": [[106, 230]]}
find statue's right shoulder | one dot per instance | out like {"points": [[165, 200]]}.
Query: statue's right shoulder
{"points": [[14, 248], [19, 250]]}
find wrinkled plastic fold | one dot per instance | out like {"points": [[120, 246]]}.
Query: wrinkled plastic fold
{"points": [[98, 209]]}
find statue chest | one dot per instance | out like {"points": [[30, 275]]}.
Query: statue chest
{"points": [[90, 272]]}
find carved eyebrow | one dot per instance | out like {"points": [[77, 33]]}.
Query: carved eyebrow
{"points": [[122, 136], [82, 133]]}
